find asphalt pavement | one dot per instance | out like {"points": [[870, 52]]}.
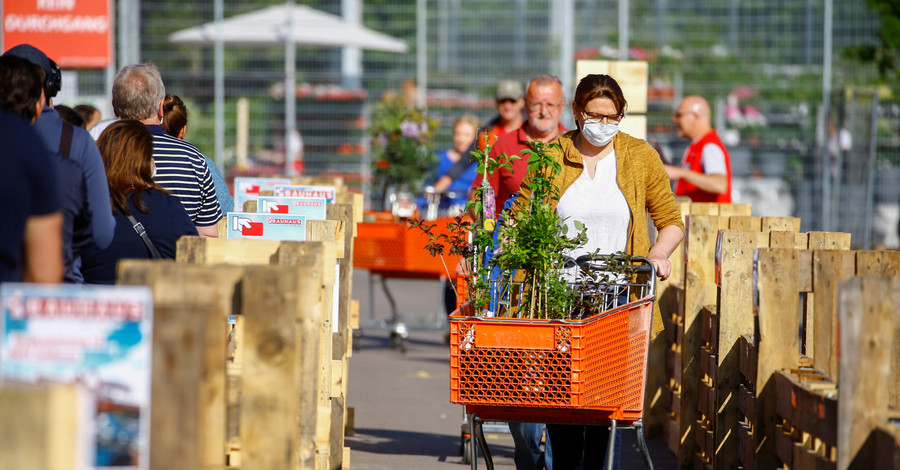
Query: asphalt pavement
{"points": [[403, 418]]}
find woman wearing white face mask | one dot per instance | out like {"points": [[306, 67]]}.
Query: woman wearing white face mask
{"points": [[610, 182]]}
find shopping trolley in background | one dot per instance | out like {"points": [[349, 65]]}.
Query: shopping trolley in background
{"points": [[388, 249], [589, 370]]}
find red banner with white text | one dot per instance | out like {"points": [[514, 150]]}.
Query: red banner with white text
{"points": [[73, 33]]}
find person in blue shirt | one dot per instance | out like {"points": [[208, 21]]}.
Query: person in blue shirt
{"points": [[175, 124], [453, 189], [127, 149], [83, 190], [32, 222]]}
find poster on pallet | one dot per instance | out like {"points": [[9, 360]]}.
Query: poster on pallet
{"points": [[249, 189], [302, 190], [266, 226], [98, 337], [312, 207]]}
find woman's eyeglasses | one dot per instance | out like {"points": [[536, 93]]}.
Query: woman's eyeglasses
{"points": [[603, 118]]}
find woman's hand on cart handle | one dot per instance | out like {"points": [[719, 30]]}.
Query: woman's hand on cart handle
{"points": [[663, 265], [667, 241]]}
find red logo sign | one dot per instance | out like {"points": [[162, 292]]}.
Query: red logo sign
{"points": [[278, 209], [72, 33], [254, 230]]}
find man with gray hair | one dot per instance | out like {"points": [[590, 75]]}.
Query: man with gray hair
{"points": [[138, 93]]}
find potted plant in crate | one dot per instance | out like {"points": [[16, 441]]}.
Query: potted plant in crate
{"points": [[518, 272]]}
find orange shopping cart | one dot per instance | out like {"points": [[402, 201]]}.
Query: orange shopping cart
{"points": [[587, 370], [389, 249]]}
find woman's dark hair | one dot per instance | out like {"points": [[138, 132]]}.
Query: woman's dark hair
{"points": [[595, 86], [21, 83], [127, 150], [87, 112], [69, 115], [174, 115]]}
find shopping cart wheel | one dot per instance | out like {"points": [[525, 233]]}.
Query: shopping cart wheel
{"points": [[399, 337], [465, 448]]}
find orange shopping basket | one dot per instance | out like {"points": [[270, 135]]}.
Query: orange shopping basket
{"points": [[575, 371]]}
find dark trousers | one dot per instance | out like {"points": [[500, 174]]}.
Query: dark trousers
{"points": [[579, 447]]}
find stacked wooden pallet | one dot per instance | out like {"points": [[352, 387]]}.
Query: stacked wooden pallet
{"points": [[267, 392]]}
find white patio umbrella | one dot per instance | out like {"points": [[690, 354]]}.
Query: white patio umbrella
{"points": [[289, 25], [310, 27]]}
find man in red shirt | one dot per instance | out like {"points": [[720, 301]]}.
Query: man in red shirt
{"points": [[544, 103], [510, 103], [705, 171]]}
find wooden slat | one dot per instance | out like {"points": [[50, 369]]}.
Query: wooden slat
{"points": [[865, 374], [878, 263], [808, 405], [884, 264], [788, 224], [748, 360], [730, 210], [182, 310], [709, 327], [319, 255], [829, 241], [327, 231], [200, 414], [735, 312], [747, 445], [343, 213], [784, 239], [778, 344], [40, 426], [746, 403], [704, 208], [699, 290], [670, 302], [743, 222], [204, 250], [275, 363], [829, 268]]}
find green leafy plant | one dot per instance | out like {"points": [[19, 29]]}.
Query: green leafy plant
{"points": [[536, 241], [524, 277], [402, 150]]}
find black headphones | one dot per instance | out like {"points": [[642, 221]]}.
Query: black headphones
{"points": [[54, 80]]}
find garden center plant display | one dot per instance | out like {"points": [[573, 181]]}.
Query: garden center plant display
{"points": [[519, 273]]}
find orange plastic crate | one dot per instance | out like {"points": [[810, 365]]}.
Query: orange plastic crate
{"points": [[392, 246], [570, 371]]}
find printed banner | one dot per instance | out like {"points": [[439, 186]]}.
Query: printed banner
{"points": [[248, 189], [73, 33], [266, 226], [296, 190], [99, 337], [312, 207]]}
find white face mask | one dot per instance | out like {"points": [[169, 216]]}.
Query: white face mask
{"points": [[597, 133]]}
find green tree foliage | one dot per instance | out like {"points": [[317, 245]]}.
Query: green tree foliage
{"points": [[886, 54]]}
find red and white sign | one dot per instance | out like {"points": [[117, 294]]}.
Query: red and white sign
{"points": [[73, 33]]}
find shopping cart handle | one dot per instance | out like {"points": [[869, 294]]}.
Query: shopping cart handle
{"points": [[645, 267]]}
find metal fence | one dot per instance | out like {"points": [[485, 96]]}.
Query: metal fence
{"points": [[763, 64]]}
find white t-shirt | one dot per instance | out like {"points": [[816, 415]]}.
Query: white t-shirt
{"points": [[599, 204], [712, 159]]}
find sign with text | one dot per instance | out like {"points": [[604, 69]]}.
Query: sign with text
{"points": [[266, 226], [312, 207], [99, 337], [296, 190], [248, 189], [73, 33]]}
